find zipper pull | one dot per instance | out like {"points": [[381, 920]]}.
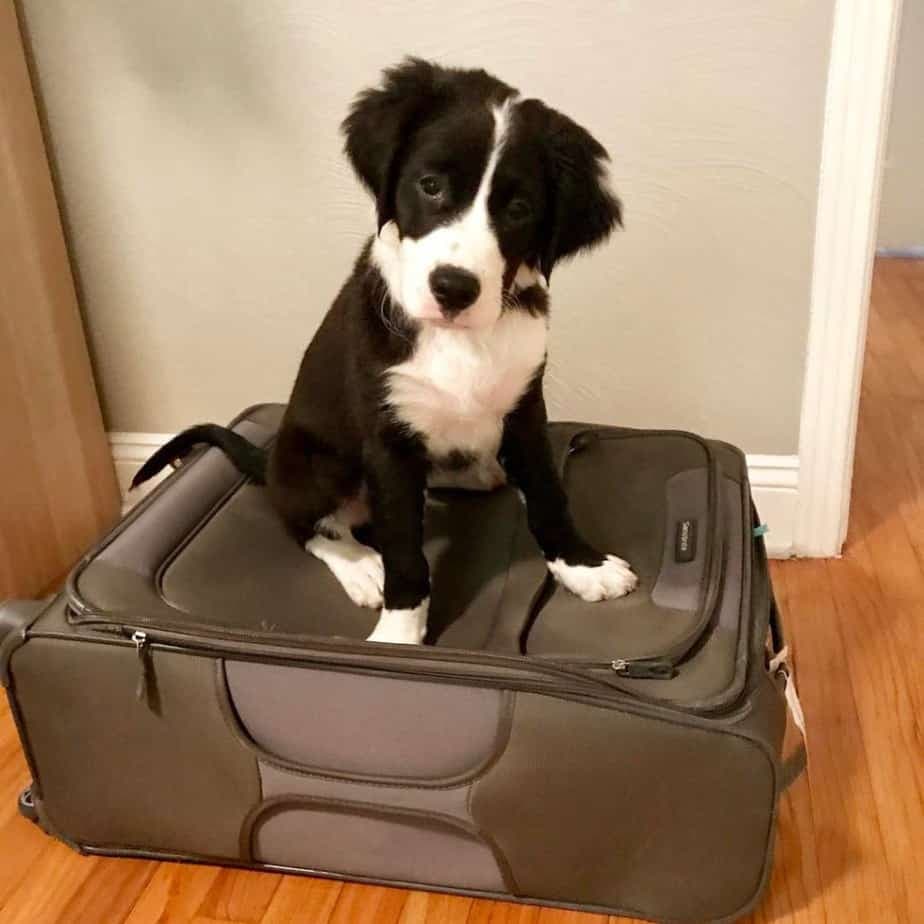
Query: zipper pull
{"points": [[644, 668], [146, 690]]}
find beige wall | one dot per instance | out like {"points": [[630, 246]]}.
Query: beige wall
{"points": [[212, 217], [901, 214]]}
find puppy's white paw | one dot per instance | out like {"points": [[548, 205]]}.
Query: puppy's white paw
{"points": [[402, 627], [613, 578], [357, 567]]}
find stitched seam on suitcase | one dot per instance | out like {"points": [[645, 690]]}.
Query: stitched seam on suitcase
{"points": [[194, 531], [279, 804], [709, 580], [236, 726], [72, 589]]}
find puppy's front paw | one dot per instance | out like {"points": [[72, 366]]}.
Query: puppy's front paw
{"points": [[402, 627], [612, 578], [358, 567]]}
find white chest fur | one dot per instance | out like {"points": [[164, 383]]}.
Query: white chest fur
{"points": [[459, 384]]}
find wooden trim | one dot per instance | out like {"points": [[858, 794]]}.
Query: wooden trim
{"points": [[856, 117], [58, 485]]}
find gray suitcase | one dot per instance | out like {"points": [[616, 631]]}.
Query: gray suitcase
{"points": [[202, 691]]}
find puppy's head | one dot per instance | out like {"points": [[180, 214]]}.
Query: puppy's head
{"points": [[477, 191]]}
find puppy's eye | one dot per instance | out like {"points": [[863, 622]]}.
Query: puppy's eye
{"points": [[519, 210], [431, 186]]}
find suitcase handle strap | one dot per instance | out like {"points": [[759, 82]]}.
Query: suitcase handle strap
{"points": [[781, 666]]}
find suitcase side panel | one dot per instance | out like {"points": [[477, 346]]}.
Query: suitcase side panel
{"points": [[617, 810], [113, 772], [568, 802]]}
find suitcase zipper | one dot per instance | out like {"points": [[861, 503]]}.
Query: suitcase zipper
{"points": [[145, 691], [634, 669], [580, 679], [644, 668]]}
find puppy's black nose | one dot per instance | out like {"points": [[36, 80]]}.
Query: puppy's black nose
{"points": [[454, 288]]}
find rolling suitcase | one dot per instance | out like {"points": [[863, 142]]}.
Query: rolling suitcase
{"points": [[201, 690]]}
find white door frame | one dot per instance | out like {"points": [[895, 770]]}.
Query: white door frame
{"points": [[855, 124]]}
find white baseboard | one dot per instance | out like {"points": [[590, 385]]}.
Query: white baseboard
{"points": [[775, 488], [774, 483]]}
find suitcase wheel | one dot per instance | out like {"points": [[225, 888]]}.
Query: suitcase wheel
{"points": [[26, 805]]}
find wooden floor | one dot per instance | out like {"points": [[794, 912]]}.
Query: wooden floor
{"points": [[851, 835]]}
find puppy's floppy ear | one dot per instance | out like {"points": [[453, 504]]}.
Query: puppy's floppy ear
{"points": [[380, 120], [582, 210]]}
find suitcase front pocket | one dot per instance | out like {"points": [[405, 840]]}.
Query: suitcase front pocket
{"points": [[368, 728], [651, 499], [368, 841]]}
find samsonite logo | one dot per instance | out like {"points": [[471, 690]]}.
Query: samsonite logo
{"points": [[685, 541]]}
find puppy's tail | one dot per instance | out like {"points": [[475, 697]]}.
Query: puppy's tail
{"points": [[249, 460]]}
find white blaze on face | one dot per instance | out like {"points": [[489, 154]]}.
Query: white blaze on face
{"points": [[469, 242]]}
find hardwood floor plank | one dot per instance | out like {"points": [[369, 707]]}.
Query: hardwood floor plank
{"points": [[487, 912], [109, 892], [431, 908], [368, 903], [550, 916], [173, 895], [849, 841], [240, 896], [43, 899], [894, 747], [300, 900], [23, 849]]}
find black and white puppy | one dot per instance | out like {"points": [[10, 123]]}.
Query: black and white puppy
{"points": [[428, 366]]}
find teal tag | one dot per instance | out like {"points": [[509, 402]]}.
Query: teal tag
{"points": [[761, 530]]}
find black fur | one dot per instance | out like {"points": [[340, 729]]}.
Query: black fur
{"points": [[249, 459], [338, 435], [384, 121]]}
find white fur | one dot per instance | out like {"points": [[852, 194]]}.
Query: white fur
{"points": [[469, 242], [485, 474], [613, 578], [402, 627], [459, 384], [527, 277], [605, 177], [356, 566]]}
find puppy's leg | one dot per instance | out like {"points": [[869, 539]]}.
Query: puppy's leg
{"points": [[572, 561], [397, 478], [321, 499]]}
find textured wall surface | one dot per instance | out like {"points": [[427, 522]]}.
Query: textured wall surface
{"points": [[901, 214], [212, 217]]}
